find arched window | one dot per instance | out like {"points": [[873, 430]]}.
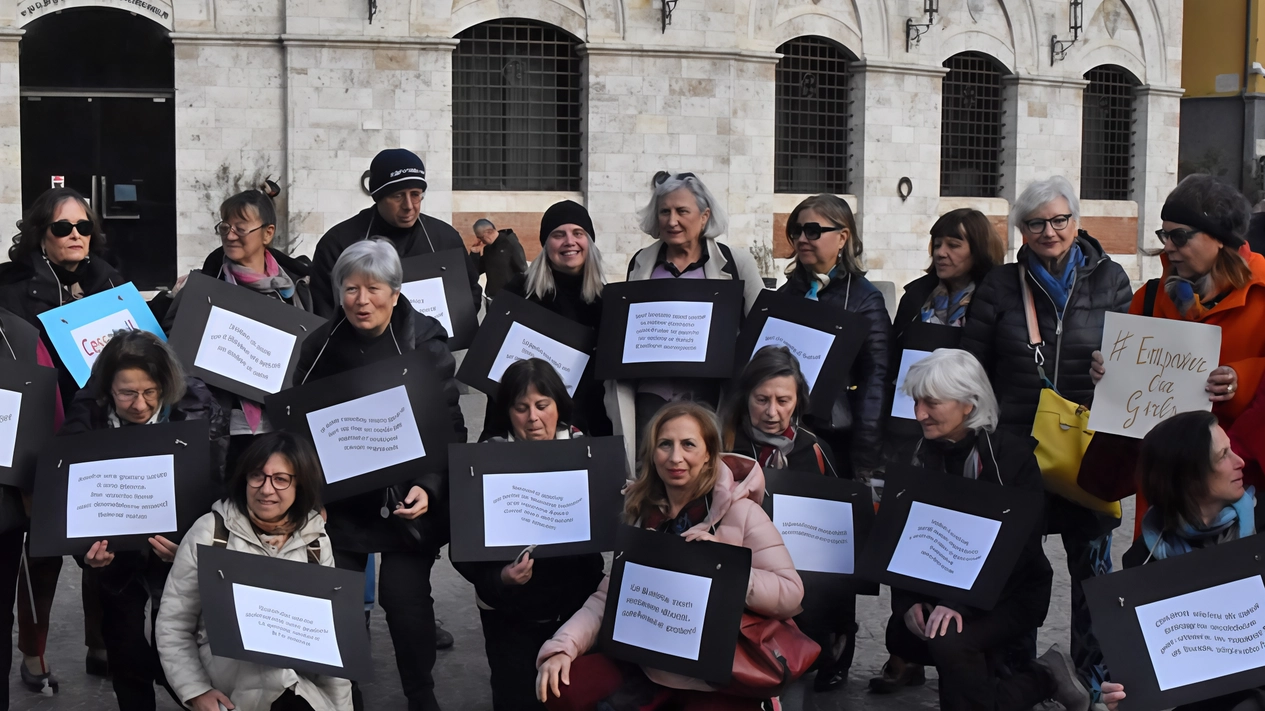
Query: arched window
{"points": [[516, 108], [814, 111], [1107, 134], [971, 126]]}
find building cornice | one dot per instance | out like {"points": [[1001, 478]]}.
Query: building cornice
{"points": [[1049, 81], [611, 49], [885, 67], [1148, 89], [362, 42]]}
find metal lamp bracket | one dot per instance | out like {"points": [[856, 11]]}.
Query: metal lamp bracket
{"points": [[665, 14], [1075, 24], [915, 30]]}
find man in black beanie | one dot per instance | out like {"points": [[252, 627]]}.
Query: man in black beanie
{"points": [[397, 183]]}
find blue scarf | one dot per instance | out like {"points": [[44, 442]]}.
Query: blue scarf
{"points": [[1058, 289], [819, 281], [1166, 544]]}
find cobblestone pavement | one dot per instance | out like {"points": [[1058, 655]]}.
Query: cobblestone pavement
{"points": [[461, 673]]}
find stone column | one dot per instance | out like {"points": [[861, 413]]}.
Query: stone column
{"points": [[1157, 116], [1043, 121]]}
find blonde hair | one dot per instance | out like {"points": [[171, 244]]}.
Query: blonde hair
{"points": [[648, 492]]}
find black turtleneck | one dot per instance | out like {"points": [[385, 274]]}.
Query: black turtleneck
{"points": [[65, 277], [946, 456], [567, 299]]}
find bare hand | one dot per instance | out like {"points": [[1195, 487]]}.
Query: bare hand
{"points": [[98, 556], [163, 548], [555, 668], [414, 505], [1112, 694], [1223, 383], [518, 572], [1097, 368], [915, 622], [698, 535], [210, 701], [941, 620]]}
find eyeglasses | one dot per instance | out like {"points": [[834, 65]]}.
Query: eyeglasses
{"points": [[62, 228], [811, 230], [223, 228], [280, 482], [662, 177], [1177, 238], [129, 396], [1036, 227]]}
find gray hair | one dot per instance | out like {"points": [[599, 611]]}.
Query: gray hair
{"points": [[374, 258], [716, 224], [953, 374], [540, 281], [1037, 194], [481, 223]]}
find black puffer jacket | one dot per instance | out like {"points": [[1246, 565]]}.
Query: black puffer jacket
{"points": [[356, 524], [997, 332], [857, 414]]}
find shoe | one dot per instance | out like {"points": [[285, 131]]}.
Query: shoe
{"points": [[829, 679], [45, 684], [443, 638], [1068, 689], [96, 666], [896, 675]]}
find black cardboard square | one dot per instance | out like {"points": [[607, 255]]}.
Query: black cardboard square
{"points": [[202, 292], [849, 329], [450, 266], [38, 387], [1114, 598], [506, 310], [219, 568], [1017, 510], [729, 568], [816, 486], [918, 337], [188, 441], [603, 457], [727, 302], [288, 409]]}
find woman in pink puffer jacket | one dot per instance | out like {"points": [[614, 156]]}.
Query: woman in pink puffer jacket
{"points": [[687, 487]]}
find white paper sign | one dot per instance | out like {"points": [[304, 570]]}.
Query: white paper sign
{"points": [[522, 343], [1155, 368], [668, 332], [662, 610], [808, 345], [539, 508], [10, 412], [817, 533], [427, 297], [245, 350], [287, 625], [366, 434], [1206, 634], [118, 497], [902, 404], [92, 337], [943, 546]]}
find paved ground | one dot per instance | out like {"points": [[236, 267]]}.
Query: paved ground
{"points": [[462, 672]]}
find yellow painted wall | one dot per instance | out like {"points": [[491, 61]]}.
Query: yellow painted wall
{"points": [[1212, 44]]}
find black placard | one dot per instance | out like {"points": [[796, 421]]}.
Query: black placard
{"points": [[415, 372], [506, 310], [448, 265], [726, 299], [219, 569], [1017, 510], [849, 330], [188, 442], [200, 294], [828, 488], [728, 567], [602, 457], [37, 385], [917, 337], [1114, 599]]}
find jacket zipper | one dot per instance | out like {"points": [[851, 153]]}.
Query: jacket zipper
{"points": [[1058, 324]]}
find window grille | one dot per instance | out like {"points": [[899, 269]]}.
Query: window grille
{"points": [[971, 127], [1107, 140], [814, 114], [516, 108]]}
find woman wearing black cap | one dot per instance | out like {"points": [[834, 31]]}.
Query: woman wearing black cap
{"points": [[397, 184], [567, 280]]}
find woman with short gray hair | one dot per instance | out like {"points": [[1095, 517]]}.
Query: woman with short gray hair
{"points": [[1072, 285], [375, 325]]}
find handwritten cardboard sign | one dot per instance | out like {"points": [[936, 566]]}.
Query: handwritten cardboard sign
{"points": [[1155, 368]]}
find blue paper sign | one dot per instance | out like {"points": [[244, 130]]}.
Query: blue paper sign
{"points": [[79, 330]]}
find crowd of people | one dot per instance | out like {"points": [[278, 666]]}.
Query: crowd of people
{"points": [[699, 445]]}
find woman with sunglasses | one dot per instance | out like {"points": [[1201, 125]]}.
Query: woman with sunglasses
{"points": [[827, 268], [56, 259]]}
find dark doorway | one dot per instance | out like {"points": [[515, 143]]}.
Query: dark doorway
{"points": [[99, 116]]}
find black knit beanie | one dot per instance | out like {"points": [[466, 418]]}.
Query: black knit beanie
{"points": [[395, 169], [567, 212], [1210, 206]]}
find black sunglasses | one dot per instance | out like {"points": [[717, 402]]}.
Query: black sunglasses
{"points": [[1178, 238], [811, 230], [662, 176], [62, 228]]}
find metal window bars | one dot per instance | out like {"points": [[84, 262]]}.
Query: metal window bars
{"points": [[516, 108], [1107, 134], [813, 123], [971, 127]]}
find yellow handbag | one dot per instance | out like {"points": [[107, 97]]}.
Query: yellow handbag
{"points": [[1061, 427]]}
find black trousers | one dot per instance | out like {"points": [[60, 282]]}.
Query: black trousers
{"points": [[828, 619], [405, 594], [10, 560], [134, 661], [290, 701], [511, 644]]}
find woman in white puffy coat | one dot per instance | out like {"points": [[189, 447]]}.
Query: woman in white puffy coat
{"points": [[272, 509]]}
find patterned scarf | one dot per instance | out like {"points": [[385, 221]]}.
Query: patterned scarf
{"points": [[692, 514], [1186, 295], [1061, 288], [272, 533], [114, 422], [947, 309], [1235, 521], [819, 281], [774, 449]]}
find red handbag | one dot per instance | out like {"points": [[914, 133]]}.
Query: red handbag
{"points": [[769, 655]]}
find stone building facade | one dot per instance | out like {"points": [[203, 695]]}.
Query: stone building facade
{"points": [[307, 91]]}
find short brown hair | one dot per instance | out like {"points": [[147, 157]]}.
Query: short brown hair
{"points": [[648, 491], [987, 248], [1175, 463], [309, 479]]}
